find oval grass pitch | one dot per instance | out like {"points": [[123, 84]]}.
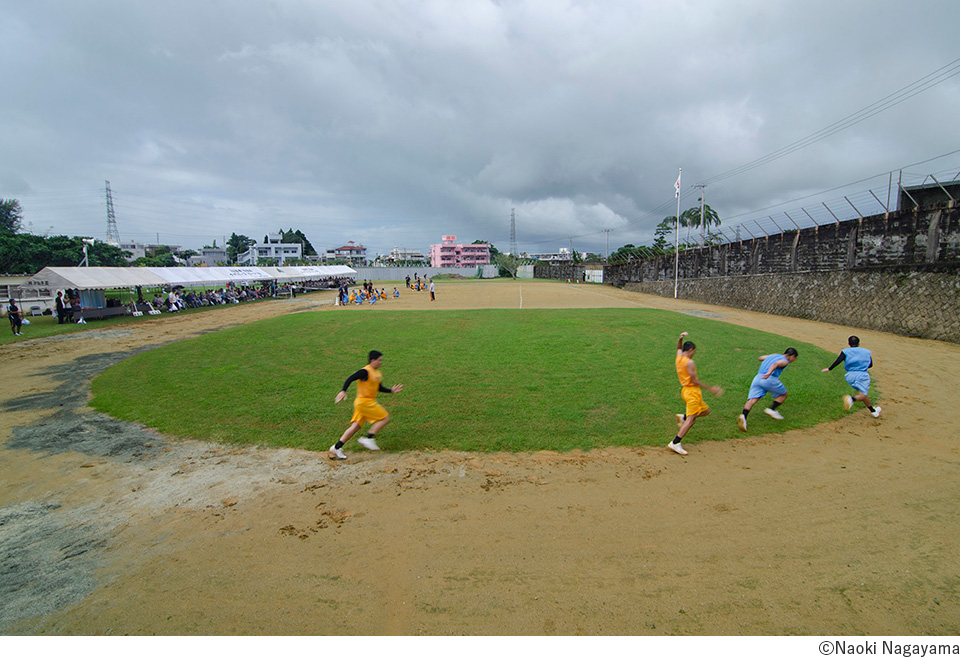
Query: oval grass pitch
{"points": [[484, 380]]}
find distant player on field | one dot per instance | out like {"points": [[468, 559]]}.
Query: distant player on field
{"points": [[365, 406], [856, 362], [689, 391], [767, 381]]}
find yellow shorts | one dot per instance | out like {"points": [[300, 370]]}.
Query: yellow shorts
{"points": [[367, 410], [693, 397]]}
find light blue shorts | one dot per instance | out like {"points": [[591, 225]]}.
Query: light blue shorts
{"points": [[759, 388], [859, 380]]}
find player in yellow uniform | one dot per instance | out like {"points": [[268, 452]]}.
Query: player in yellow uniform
{"points": [[365, 406], [689, 391]]}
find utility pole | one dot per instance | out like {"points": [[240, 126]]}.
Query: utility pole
{"points": [[113, 234], [703, 220], [676, 256], [513, 232], [607, 232]]}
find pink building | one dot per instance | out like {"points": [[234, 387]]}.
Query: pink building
{"points": [[453, 254]]}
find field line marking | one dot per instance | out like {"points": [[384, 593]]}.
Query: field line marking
{"points": [[521, 296], [632, 302]]}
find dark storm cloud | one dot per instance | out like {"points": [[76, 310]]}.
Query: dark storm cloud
{"points": [[392, 123]]}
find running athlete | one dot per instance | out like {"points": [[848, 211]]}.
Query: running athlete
{"points": [[365, 406], [689, 391], [767, 381], [856, 362]]}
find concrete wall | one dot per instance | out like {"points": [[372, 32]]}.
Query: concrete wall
{"points": [[896, 272], [905, 301], [931, 236]]}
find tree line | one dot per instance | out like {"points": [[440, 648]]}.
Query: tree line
{"points": [[666, 234], [23, 252], [27, 253]]}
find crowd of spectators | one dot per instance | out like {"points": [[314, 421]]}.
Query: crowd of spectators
{"points": [[179, 298]]}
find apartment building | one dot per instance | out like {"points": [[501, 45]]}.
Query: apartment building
{"points": [[453, 254]]}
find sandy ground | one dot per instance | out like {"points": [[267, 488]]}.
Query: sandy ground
{"points": [[108, 528]]}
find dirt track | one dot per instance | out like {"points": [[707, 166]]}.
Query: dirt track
{"points": [[848, 528]]}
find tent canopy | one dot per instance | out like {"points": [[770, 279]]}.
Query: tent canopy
{"points": [[92, 278], [303, 273], [87, 278]]}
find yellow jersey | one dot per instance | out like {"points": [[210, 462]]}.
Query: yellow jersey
{"points": [[369, 388], [685, 379]]}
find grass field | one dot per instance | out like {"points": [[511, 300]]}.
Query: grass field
{"points": [[515, 380], [47, 325]]}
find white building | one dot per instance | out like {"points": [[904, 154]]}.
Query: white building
{"points": [[272, 249], [136, 250], [564, 256], [209, 257], [400, 255], [351, 253]]}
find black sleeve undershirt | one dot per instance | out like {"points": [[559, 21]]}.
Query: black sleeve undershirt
{"points": [[837, 361], [362, 374]]}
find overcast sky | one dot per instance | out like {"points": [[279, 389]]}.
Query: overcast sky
{"points": [[394, 122]]}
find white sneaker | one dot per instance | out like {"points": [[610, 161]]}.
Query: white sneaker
{"points": [[337, 453], [675, 446], [847, 402], [679, 420], [876, 411], [742, 422], [773, 413], [369, 444]]}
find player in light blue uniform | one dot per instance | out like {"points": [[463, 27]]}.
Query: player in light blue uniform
{"points": [[856, 362], [767, 381]]}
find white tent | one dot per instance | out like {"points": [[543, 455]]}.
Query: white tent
{"points": [[208, 276], [98, 279], [303, 273], [54, 278]]}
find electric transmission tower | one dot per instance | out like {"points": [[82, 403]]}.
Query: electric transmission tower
{"points": [[513, 232], [113, 234]]}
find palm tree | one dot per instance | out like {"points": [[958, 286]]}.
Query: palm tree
{"points": [[692, 218]]}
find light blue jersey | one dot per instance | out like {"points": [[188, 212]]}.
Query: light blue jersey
{"points": [[760, 387], [856, 359], [765, 365]]}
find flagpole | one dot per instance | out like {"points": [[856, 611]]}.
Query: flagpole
{"points": [[676, 246]]}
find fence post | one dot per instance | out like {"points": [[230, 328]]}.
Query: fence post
{"points": [[952, 200], [831, 212], [885, 209], [815, 223]]}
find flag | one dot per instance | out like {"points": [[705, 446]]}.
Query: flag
{"points": [[677, 186]]}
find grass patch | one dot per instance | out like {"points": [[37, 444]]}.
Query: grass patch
{"points": [[48, 326], [514, 380]]}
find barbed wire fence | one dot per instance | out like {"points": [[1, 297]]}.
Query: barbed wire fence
{"points": [[852, 205]]}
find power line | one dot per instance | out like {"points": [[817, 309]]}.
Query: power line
{"points": [[909, 91]]}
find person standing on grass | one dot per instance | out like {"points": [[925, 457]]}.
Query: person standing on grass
{"points": [[61, 309], [365, 406], [767, 381], [856, 361], [432, 297], [690, 392], [16, 318]]}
